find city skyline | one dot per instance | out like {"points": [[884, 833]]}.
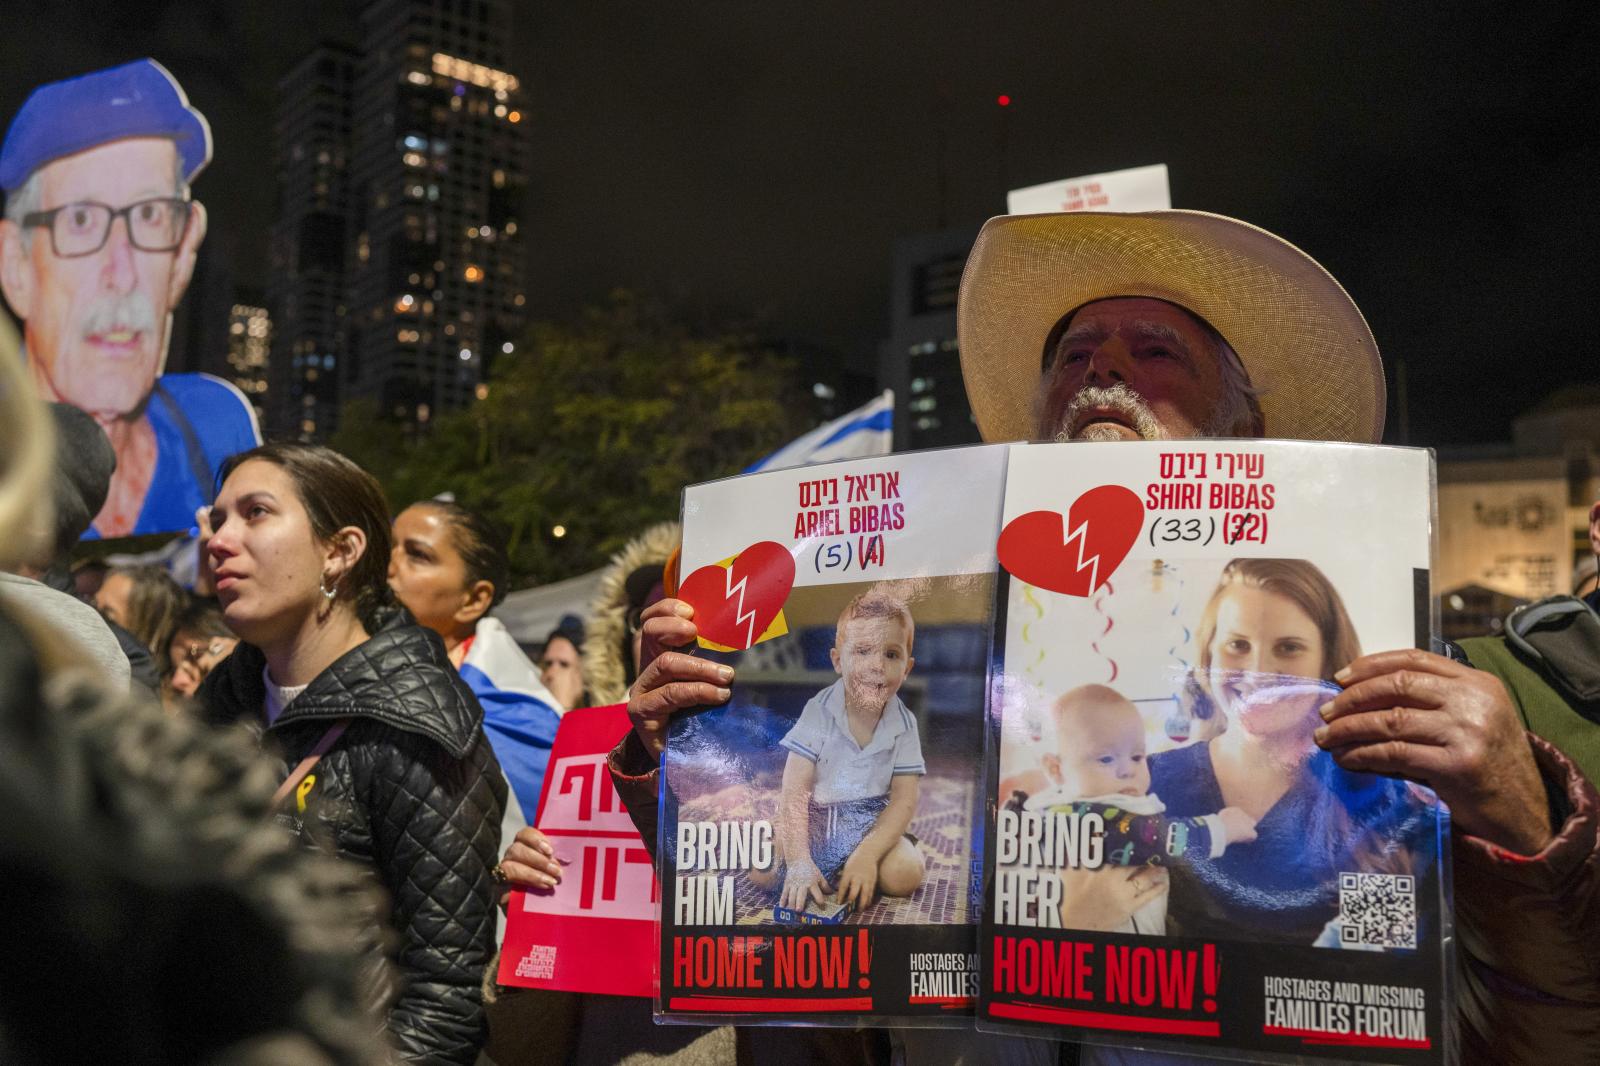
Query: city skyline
{"points": [[733, 161]]}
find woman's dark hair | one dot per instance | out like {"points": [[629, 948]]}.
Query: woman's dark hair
{"points": [[154, 602], [202, 618], [480, 544], [336, 493]]}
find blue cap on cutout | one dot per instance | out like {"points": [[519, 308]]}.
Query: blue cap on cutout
{"points": [[139, 99]]}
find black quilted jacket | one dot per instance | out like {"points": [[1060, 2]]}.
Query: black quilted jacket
{"points": [[413, 792]]}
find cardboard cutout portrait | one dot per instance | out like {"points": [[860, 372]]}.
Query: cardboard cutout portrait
{"points": [[97, 247]]}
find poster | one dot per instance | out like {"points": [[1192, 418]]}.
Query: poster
{"points": [[595, 931], [818, 846], [1170, 859], [1134, 189], [98, 247]]}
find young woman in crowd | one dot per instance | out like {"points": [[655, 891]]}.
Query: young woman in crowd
{"points": [[448, 567], [561, 667], [200, 640], [405, 782], [146, 602]]}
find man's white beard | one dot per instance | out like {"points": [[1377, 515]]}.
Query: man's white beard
{"points": [[1119, 398]]}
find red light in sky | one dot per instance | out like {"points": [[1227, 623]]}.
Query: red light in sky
{"points": [[1003, 100]]}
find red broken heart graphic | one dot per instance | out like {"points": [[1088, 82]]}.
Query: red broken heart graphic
{"points": [[732, 616], [1103, 522]]}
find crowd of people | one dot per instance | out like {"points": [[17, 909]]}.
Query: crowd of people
{"points": [[288, 802]]}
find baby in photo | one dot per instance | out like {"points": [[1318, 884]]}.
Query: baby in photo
{"points": [[854, 768], [1099, 765]]}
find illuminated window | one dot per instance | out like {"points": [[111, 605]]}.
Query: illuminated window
{"points": [[479, 75]]}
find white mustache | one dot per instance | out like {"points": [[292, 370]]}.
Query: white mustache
{"points": [[1119, 398], [130, 312]]}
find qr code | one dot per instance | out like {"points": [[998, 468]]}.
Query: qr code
{"points": [[539, 962], [1378, 910]]}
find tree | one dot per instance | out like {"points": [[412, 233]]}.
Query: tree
{"points": [[595, 426]]}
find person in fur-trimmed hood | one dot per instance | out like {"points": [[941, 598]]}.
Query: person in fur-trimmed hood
{"points": [[632, 583]]}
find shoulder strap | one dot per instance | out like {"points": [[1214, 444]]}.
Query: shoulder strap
{"points": [[1563, 635], [199, 468], [324, 745]]}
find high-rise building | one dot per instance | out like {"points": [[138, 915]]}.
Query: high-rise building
{"points": [[921, 360], [249, 346], [438, 167], [307, 292]]}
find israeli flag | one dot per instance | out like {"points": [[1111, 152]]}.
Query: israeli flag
{"points": [[520, 717], [864, 432]]}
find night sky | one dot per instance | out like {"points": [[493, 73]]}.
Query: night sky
{"points": [[757, 160]]}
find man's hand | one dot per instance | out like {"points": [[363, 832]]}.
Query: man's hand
{"points": [[803, 883], [1429, 719], [858, 881], [530, 861], [1237, 826], [1105, 899], [671, 681]]}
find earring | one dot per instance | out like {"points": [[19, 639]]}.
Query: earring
{"points": [[328, 593]]}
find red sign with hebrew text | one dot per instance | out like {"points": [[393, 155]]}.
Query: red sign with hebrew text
{"points": [[593, 932]]}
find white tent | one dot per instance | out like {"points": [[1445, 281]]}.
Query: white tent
{"points": [[530, 614]]}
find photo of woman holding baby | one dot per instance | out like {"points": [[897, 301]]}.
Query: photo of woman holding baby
{"points": [[1273, 636], [1271, 641]]}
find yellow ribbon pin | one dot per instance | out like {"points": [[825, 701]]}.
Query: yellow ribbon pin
{"points": [[303, 791]]}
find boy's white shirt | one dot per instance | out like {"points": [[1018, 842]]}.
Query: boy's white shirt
{"points": [[845, 770]]}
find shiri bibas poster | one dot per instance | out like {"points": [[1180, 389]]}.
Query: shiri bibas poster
{"points": [[1170, 860]]}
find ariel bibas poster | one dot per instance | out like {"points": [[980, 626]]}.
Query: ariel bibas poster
{"points": [[1174, 861], [817, 850]]}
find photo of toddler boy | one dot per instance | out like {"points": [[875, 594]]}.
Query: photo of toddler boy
{"points": [[853, 773]]}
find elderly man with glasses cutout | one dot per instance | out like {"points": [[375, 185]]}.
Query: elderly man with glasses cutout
{"points": [[97, 247]]}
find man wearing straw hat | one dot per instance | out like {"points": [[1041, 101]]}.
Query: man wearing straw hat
{"points": [[1180, 324], [1184, 324]]}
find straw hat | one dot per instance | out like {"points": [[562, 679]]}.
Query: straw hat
{"points": [[1301, 338]]}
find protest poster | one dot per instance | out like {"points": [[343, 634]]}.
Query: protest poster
{"points": [[1171, 861], [99, 244], [1133, 189], [595, 930], [817, 850]]}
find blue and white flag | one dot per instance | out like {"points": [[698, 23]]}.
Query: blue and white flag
{"points": [[520, 716], [866, 431]]}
